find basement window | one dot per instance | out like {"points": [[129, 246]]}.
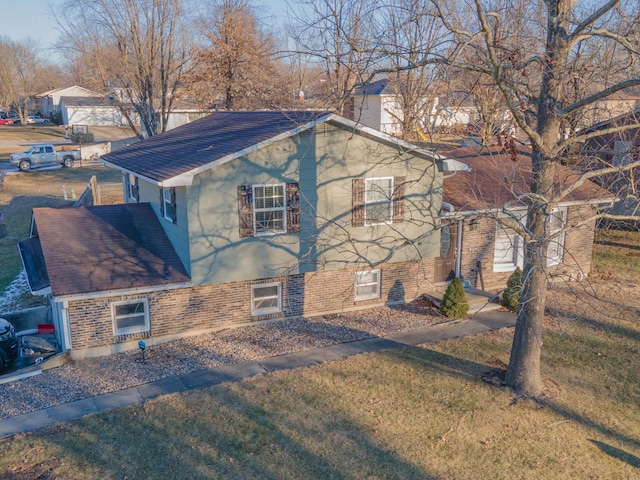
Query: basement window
{"points": [[130, 317]]}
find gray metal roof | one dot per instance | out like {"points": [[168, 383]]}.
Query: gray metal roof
{"points": [[87, 102], [201, 142]]}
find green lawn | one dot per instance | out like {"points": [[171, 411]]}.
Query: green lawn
{"points": [[422, 413]]}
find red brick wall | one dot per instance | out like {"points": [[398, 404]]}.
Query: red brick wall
{"points": [[177, 312], [478, 247]]}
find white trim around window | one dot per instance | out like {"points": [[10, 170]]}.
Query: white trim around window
{"points": [[130, 316], [557, 222], [266, 298], [132, 184], [508, 250], [269, 209], [168, 205], [367, 285], [378, 201]]}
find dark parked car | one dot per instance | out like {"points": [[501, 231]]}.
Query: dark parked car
{"points": [[8, 343]]}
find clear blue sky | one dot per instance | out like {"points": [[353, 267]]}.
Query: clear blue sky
{"points": [[30, 18]]}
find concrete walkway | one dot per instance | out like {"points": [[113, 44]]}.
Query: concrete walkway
{"points": [[479, 323]]}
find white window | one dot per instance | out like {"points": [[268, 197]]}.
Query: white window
{"points": [[622, 153], [508, 252], [266, 298], [269, 209], [557, 221], [132, 183], [168, 204], [130, 317], [367, 285], [378, 201]]}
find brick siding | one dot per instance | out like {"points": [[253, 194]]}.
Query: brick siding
{"points": [[183, 311], [478, 248]]}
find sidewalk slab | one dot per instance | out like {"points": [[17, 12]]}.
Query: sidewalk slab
{"points": [[441, 332], [282, 362], [316, 356], [71, 411], [240, 371], [165, 386], [496, 320], [202, 379], [122, 398], [24, 423], [369, 345]]}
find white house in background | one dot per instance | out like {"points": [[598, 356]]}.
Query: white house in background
{"points": [[48, 103], [378, 105], [185, 111], [93, 111]]}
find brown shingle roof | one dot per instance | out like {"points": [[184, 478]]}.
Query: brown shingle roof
{"points": [[497, 178], [107, 247]]}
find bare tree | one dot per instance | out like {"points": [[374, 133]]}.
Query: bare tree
{"points": [[235, 66], [338, 35], [138, 47], [22, 74], [534, 68], [407, 31]]}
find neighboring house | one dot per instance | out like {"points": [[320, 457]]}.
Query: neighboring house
{"points": [[92, 111], [482, 250], [48, 103], [608, 147], [378, 105], [184, 111], [238, 218]]}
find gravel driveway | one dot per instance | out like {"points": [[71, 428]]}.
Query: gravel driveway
{"points": [[91, 377]]}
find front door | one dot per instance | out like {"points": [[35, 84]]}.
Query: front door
{"points": [[445, 264]]}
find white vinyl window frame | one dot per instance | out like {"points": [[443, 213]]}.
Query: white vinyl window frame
{"points": [[378, 197], [269, 209], [130, 316], [132, 190], [508, 251], [168, 205], [557, 222], [266, 298], [367, 285]]}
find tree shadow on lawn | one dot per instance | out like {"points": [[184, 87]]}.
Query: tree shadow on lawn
{"points": [[617, 453], [233, 432]]}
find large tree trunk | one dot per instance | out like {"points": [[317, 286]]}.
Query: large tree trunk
{"points": [[523, 373]]}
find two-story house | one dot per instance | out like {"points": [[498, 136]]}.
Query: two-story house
{"points": [[236, 218]]}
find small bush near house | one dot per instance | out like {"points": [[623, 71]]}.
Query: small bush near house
{"points": [[454, 302], [511, 294]]}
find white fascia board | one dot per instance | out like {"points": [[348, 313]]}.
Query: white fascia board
{"points": [[121, 292], [498, 210], [125, 171], [451, 165]]}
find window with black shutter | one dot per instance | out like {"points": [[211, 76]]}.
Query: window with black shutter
{"points": [[377, 201], [268, 209], [168, 204]]}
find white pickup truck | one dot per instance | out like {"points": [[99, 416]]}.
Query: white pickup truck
{"points": [[41, 155]]}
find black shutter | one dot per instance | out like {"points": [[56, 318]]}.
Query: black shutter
{"points": [[357, 201], [137, 195], [161, 202], [174, 206], [245, 210], [398, 199], [293, 208]]}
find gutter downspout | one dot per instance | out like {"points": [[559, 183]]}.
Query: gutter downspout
{"points": [[66, 327], [451, 209], [459, 248]]}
